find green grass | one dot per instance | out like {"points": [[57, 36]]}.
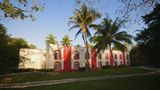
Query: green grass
{"points": [[37, 76], [148, 82]]}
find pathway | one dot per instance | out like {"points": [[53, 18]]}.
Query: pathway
{"points": [[52, 82]]}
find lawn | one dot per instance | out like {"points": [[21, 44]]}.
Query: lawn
{"points": [[148, 82], [41, 76]]}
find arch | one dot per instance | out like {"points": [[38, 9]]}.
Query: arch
{"points": [[107, 63], [57, 54], [76, 66], [120, 56], [100, 64], [76, 55], [115, 56], [57, 66]]}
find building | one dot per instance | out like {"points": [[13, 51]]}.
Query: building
{"points": [[69, 58]]}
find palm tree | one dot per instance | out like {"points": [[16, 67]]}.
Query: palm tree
{"points": [[108, 35], [50, 39], [83, 19], [66, 40]]}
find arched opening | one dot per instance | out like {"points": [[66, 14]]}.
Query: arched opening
{"points": [[57, 66], [115, 56], [100, 64], [76, 65], [57, 54], [76, 55]]}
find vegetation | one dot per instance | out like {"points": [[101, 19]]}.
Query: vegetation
{"points": [[148, 38], [40, 76], [24, 9], [66, 41], [9, 50], [108, 34], [83, 19], [148, 82], [50, 39]]}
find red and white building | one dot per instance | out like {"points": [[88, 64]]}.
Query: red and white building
{"points": [[69, 58]]}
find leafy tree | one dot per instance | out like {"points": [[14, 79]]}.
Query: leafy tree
{"points": [[66, 41], [83, 19], [108, 35], [19, 8], [50, 39], [31, 46], [149, 37]]}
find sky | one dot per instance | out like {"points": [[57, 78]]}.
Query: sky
{"points": [[54, 20]]}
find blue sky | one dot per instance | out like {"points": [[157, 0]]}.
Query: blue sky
{"points": [[54, 20]]}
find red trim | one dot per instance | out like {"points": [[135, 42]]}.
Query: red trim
{"points": [[111, 60], [124, 59], [67, 58], [93, 58]]}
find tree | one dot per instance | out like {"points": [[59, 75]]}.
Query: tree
{"points": [[108, 35], [83, 19], [19, 8], [31, 46], [66, 41], [50, 39], [149, 37]]}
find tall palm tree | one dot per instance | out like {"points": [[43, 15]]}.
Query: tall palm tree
{"points": [[108, 35], [50, 39], [66, 41], [83, 19]]}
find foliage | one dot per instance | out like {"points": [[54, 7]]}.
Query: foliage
{"points": [[66, 41], [50, 39], [31, 46], [108, 35], [83, 20], [136, 56], [19, 8], [149, 37], [9, 50]]}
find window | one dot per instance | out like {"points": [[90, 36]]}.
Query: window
{"points": [[76, 55], [107, 63], [57, 54], [115, 63], [76, 65], [87, 55], [99, 56], [127, 57], [57, 66], [120, 56], [100, 64], [115, 56], [107, 57], [121, 63]]}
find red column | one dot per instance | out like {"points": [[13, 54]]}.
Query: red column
{"points": [[111, 60], [67, 58], [93, 58]]}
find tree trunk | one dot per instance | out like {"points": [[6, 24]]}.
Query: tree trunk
{"points": [[87, 51], [111, 54]]}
